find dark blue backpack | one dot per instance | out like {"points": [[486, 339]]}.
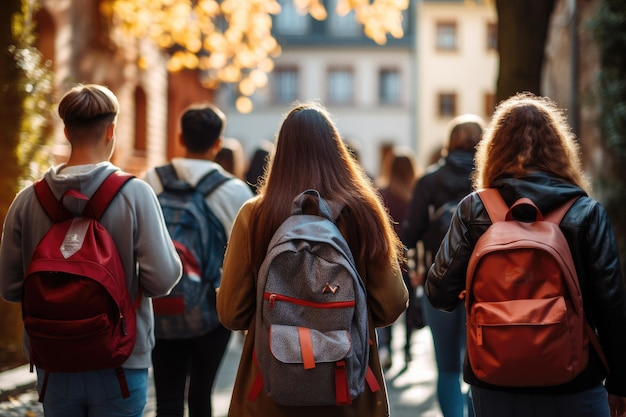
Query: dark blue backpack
{"points": [[200, 240]]}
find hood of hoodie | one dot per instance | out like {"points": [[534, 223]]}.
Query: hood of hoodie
{"points": [[546, 191], [460, 159], [84, 178]]}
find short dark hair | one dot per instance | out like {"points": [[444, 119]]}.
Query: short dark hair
{"points": [[201, 126]]}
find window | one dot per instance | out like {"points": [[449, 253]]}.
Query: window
{"points": [[447, 105], [341, 25], [289, 21], [285, 85], [492, 36], [389, 89], [446, 36], [340, 86], [490, 104]]}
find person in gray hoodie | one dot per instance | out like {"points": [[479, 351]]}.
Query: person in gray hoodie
{"points": [[135, 222], [186, 360]]}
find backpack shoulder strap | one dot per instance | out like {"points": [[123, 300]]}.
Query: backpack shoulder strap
{"points": [[50, 204], [169, 178], [107, 191], [99, 202], [210, 182], [556, 215], [494, 204]]}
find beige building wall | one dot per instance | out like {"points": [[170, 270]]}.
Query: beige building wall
{"points": [[469, 71], [364, 121]]}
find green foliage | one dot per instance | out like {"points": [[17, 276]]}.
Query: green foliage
{"points": [[25, 83], [34, 85], [609, 29]]}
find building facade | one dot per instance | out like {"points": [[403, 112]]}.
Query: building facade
{"points": [[368, 88], [402, 93], [75, 37], [457, 64]]}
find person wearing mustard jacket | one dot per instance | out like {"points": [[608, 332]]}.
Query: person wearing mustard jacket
{"points": [[325, 165]]}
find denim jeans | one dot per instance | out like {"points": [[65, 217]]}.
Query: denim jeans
{"points": [[590, 403], [94, 393], [448, 331]]}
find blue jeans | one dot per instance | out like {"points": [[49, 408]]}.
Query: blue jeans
{"points": [[448, 331], [94, 393], [590, 403]]}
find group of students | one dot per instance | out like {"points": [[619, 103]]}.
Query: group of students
{"points": [[526, 151]]}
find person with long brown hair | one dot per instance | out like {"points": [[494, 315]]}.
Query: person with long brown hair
{"points": [[427, 218], [396, 194], [529, 151], [311, 155]]}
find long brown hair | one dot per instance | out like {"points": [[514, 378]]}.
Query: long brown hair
{"points": [[309, 153], [402, 173], [528, 133]]}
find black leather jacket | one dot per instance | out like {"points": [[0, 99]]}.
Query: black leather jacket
{"points": [[589, 233], [447, 180]]}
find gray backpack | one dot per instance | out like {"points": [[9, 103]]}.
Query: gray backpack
{"points": [[312, 338]]}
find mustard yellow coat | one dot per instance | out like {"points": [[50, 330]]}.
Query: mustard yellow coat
{"points": [[236, 306]]}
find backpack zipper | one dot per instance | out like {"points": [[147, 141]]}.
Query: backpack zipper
{"points": [[273, 297], [123, 324]]}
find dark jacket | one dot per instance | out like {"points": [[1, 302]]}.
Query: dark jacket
{"points": [[588, 231], [447, 180]]}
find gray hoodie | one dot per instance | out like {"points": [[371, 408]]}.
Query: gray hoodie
{"points": [[135, 222]]}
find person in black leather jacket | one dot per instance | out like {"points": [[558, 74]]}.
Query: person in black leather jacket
{"points": [[444, 185], [529, 151]]}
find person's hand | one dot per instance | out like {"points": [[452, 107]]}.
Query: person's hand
{"points": [[617, 406]]}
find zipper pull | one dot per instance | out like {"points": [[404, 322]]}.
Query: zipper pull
{"points": [[272, 300], [479, 334], [123, 325]]}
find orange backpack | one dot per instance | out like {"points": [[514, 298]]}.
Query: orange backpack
{"points": [[525, 321]]}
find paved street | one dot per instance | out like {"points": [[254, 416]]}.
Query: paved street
{"points": [[411, 390]]}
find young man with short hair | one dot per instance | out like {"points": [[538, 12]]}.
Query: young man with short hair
{"points": [[135, 223], [198, 356]]}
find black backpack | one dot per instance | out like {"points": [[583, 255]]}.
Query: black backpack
{"points": [[439, 222]]}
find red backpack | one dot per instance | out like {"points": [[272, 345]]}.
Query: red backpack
{"points": [[525, 320], [76, 307]]}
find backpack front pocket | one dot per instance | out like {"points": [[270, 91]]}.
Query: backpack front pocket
{"points": [[521, 352], [305, 364], [290, 344]]}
